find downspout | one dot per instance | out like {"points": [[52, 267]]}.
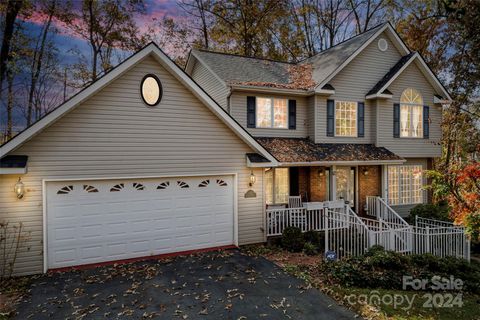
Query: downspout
{"points": [[228, 99]]}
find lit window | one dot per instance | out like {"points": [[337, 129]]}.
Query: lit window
{"points": [[272, 113], [345, 119], [405, 184], [151, 90], [277, 185], [411, 114]]}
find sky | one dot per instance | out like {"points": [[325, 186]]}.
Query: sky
{"points": [[66, 42]]}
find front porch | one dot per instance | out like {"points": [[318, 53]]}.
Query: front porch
{"points": [[352, 184]]}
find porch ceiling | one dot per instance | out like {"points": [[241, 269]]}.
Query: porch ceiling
{"points": [[303, 150]]}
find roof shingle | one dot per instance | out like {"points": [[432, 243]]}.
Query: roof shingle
{"points": [[305, 150], [391, 73]]}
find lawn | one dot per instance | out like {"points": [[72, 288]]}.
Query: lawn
{"points": [[367, 302]]}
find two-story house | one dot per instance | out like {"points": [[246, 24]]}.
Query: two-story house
{"points": [[359, 119], [153, 159]]}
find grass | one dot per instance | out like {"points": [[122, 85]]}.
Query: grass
{"points": [[411, 305], [415, 303]]}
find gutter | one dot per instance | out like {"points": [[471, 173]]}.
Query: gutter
{"points": [[270, 90]]}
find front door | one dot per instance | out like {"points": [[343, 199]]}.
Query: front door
{"points": [[345, 184]]}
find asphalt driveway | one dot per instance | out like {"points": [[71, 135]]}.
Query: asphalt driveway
{"points": [[214, 285]]}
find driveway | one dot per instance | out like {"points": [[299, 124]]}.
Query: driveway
{"points": [[214, 285]]}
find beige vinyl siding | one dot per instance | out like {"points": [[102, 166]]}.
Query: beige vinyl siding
{"points": [[404, 210], [238, 110], [213, 86], [114, 134], [410, 147], [353, 83]]}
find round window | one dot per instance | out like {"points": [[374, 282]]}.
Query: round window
{"points": [[382, 44], [151, 90]]}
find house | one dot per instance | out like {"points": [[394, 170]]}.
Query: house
{"points": [[151, 159], [359, 119]]}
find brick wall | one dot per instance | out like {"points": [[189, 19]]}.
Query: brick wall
{"points": [[368, 185], [318, 184]]}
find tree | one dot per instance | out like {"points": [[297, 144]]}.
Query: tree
{"points": [[242, 26], [49, 9], [106, 26], [367, 12], [201, 19], [12, 9]]}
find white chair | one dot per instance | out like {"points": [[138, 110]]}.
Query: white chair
{"points": [[295, 202]]}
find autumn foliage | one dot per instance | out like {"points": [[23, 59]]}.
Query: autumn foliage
{"points": [[460, 186], [465, 200]]}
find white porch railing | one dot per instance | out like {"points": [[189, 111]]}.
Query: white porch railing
{"points": [[305, 218], [348, 234]]}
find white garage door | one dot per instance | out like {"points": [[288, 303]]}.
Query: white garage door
{"points": [[96, 221]]}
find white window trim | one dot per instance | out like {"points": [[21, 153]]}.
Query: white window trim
{"points": [[355, 134], [399, 184], [273, 187], [272, 114], [410, 105]]}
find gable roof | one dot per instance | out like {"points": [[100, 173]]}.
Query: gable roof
{"points": [[234, 68], [255, 72], [153, 50], [328, 63], [402, 64]]}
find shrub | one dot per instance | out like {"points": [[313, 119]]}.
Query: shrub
{"points": [[310, 249], [315, 238], [292, 239], [385, 269], [430, 211]]}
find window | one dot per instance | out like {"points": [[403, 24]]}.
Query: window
{"points": [[411, 114], [405, 184], [277, 185], [272, 113], [151, 90], [345, 118]]}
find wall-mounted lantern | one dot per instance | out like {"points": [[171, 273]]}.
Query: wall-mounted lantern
{"points": [[365, 172], [321, 172], [253, 179], [19, 188]]}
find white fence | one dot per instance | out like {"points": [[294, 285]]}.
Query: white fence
{"points": [[347, 234], [433, 223]]}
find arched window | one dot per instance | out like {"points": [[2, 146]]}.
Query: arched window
{"points": [[411, 114]]}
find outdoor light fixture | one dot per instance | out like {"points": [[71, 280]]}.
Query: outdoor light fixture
{"points": [[321, 172], [19, 188], [253, 179], [365, 172]]}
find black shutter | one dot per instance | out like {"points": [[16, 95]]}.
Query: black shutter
{"points": [[426, 122], [330, 118], [251, 112], [361, 119], [292, 114], [396, 120], [294, 182]]}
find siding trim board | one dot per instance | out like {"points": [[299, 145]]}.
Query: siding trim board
{"points": [[167, 63]]}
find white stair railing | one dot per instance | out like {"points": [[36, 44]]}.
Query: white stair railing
{"points": [[378, 208], [345, 233]]}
